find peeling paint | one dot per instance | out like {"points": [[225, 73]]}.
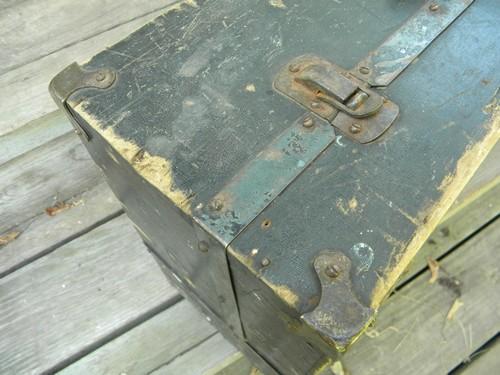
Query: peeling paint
{"points": [[277, 4], [451, 187], [154, 169]]}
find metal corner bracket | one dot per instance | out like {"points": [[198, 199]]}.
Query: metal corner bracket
{"points": [[74, 78], [339, 324]]}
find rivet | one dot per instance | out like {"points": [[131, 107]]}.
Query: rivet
{"points": [[266, 224], [100, 76], [203, 246], [332, 271], [294, 68], [434, 7], [355, 128], [254, 252], [216, 205], [364, 70], [265, 262], [315, 104], [308, 122]]}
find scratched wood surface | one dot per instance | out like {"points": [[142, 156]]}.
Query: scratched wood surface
{"points": [[79, 293]]}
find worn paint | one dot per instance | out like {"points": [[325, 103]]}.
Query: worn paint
{"points": [[451, 187], [286, 294], [154, 169]]}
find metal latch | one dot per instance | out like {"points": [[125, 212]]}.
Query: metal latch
{"points": [[345, 101]]}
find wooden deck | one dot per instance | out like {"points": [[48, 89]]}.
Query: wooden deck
{"points": [[79, 294]]}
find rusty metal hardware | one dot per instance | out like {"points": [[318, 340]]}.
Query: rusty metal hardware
{"points": [[74, 78], [381, 66], [339, 316], [345, 101]]}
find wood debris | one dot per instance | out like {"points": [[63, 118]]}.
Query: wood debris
{"points": [[434, 268], [59, 207], [454, 308], [8, 237]]}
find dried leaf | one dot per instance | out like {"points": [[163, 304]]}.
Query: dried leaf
{"points": [[8, 237], [454, 308], [434, 268]]}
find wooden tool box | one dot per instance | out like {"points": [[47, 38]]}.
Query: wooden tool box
{"points": [[285, 160]]}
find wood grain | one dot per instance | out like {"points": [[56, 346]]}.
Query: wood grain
{"points": [[85, 293], [44, 233], [26, 86], [32, 135], [57, 171], [199, 360], [33, 29], [149, 345], [485, 363]]}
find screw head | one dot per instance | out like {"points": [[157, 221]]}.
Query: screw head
{"points": [[308, 122], [216, 205], [293, 68], [100, 76], [265, 262], [355, 128], [364, 70], [203, 246], [332, 270], [434, 7]]}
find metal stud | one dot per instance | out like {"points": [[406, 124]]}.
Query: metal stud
{"points": [[434, 7], [216, 205], [308, 122], [265, 262], [332, 271], [355, 128]]}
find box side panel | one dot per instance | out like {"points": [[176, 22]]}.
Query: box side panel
{"points": [[198, 260], [273, 329]]}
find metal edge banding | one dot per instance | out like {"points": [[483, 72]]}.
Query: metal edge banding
{"points": [[384, 64], [250, 191]]}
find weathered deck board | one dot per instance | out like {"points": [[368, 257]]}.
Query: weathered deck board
{"points": [[67, 303], [149, 345], [57, 171], [413, 335], [33, 29], [44, 233], [201, 359], [32, 135], [485, 363], [26, 86]]}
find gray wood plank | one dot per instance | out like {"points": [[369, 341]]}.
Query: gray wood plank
{"points": [[26, 87], [199, 360], [32, 135], [44, 233], [57, 171], [413, 335], [486, 363], [35, 28], [149, 345], [83, 294]]}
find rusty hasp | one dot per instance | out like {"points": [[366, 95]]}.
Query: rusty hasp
{"points": [[338, 323], [345, 101]]}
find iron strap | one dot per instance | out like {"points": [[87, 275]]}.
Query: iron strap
{"points": [[386, 63]]}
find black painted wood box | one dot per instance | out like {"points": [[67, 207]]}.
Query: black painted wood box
{"points": [[285, 160]]}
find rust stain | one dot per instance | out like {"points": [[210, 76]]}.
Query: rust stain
{"points": [[451, 187]]}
